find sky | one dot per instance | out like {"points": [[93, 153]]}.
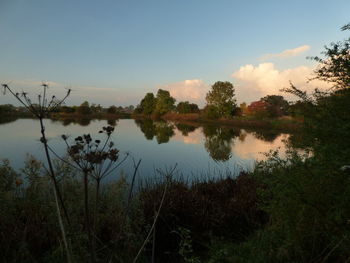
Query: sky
{"points": [[114, 52]]}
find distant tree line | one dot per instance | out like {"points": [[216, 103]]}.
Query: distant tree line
{"points": [[220, 103], [84, 109]]}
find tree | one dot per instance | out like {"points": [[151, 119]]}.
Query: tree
{"points": [[7, 108], [112, 109], [165, 103], [186, 107], [84, 108], [67, 109], [335, 66], [96, 108], [147, 104], [222, 96], [244, 108], [211, 112], [276, 106], [258, 109]]}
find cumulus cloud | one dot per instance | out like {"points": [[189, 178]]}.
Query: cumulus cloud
{"points": [[193, 90], [287, 53], [254, 82]]}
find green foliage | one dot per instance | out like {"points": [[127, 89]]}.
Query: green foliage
{"points": [[185, 128], [186, 107], [96, 108], [211, 112], [335, 66], [218, 141], [9, 179], [112, 109], [147, 104], [6, 109], [162, 130], [67, 109], [185, 246], [222, 96], [165, 103], [84, 108], [276, 106]]}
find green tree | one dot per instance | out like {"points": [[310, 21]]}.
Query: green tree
{"points": [[84, 108], [276, 106], [96, 108], [211, 112], [147, 104], [185, 107], [112, 109], [7, 108], [165, 103], [222, 97]]}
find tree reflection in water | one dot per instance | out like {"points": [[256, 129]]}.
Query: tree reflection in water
{"points": [[162, 130], [218, 141], [112, 122], [147, 127], [185, 129], [7, 119]]}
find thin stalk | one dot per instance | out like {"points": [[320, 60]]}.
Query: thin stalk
{"points": [[97, 197], [57, 194], [87, 217], [53, 177]]}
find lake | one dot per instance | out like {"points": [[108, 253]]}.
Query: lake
{"points": [[198, 150]]}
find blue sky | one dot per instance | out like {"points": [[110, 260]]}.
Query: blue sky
{"points": [[113, 52]]}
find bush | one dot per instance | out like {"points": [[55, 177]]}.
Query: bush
{"points": [[211, 112]]}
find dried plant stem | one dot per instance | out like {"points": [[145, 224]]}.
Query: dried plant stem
{"points": [[57, 193], [95, 219], [60, 221], [52, 173], [87, 217]]}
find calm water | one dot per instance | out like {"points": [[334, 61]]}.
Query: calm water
{"points": [[195, 149]]}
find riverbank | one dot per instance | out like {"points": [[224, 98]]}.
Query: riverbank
{"points": [[286, 123]]}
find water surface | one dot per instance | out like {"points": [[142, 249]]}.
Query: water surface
{"points": [[196, 149]]}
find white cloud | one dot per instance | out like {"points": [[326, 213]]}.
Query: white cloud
{"points": [[254, 82], [287, 53], [193, 90]]}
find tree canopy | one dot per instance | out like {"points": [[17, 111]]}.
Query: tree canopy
{"points": [[147, 104], [165, 103], [276, 106], [84, 108], [222, 97], [185, 107]]}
